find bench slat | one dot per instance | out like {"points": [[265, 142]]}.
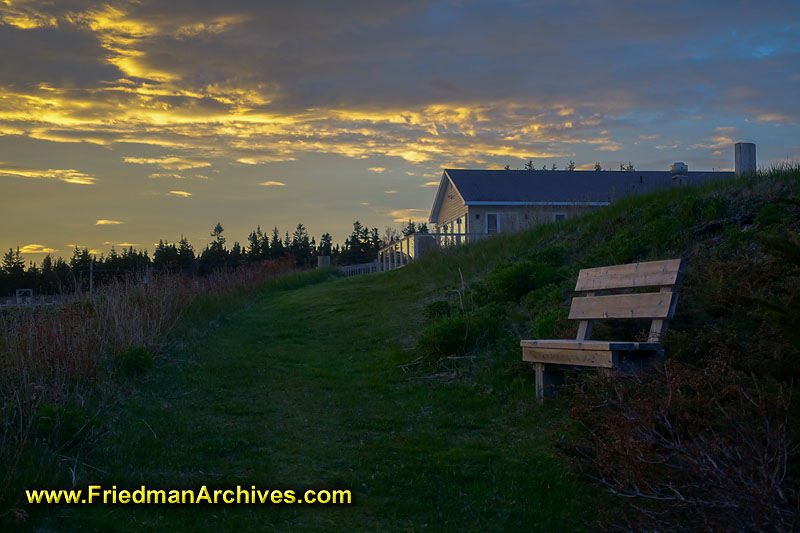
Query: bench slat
{"points": [[570, 344], [650, 274], [598, 358], [644, 305]]}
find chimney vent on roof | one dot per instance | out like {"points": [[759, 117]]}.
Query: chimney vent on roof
{"points": [[679, 169], [744, 158]]}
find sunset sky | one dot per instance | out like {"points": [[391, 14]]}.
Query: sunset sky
{"points": [[129, 122]]}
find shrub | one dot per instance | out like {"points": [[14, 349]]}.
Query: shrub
{"points": [[690, 448], [436, 310], [549, 323], [456, 334], [509, 282], [135, 360]]}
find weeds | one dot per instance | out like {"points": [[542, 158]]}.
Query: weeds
{"points": [[54, 359]]}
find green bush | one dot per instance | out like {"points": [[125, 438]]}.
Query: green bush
{"points": [[549, 323], [555, 255], [436, 310], [772, 214], [58, 424], [510, 282], [135, 360], [456, 334]]}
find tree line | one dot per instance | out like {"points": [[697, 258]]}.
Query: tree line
{"points": [[84, 270]]}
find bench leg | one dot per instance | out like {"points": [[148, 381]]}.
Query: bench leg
{"points": [[539, 369], [547, 380]]}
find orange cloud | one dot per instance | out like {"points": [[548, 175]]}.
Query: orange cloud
{"points": [[66, 175]]}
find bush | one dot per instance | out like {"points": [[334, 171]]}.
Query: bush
{"points": [[135, 360], [436, 310], [510, 282], [456, 334], [690, 448]]}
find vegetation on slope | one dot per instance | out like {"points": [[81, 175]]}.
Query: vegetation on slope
{"points": [[705, 441], [407, 388]]}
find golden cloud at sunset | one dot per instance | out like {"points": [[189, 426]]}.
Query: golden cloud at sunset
{"points": [[65, 175], [104, 222], [36, 249]]}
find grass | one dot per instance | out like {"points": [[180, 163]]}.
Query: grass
{"points": [[305, 386], [301, 389]]}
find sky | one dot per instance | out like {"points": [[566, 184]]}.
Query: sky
{"points": [[122, 123]]}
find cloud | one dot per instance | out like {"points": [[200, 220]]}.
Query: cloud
{"points": [[65, 175], [272, 184], [36, 249], [390, 192], [182, 194], [379, 170], [104, 222], [431, 184], [169, 162], [404, 215], [173, 175]]}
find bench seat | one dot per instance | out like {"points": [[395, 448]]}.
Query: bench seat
{"points": [[552, 356]]}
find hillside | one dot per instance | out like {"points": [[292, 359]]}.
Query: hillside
{"points": [[370, 384]]}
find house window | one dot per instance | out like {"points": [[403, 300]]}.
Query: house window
{"points": [[492, 223], [559, 216]]}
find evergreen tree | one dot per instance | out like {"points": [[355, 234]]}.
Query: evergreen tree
{"points": [[13, 264], [218, 244], [301, 246], [409, 229], [529, 165], [276, 249], [325, 244], [571, 165], [185, 259], [597, 167], [255, 248]]}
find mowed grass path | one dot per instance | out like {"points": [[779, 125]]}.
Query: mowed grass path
{"points": [[301, 389]]}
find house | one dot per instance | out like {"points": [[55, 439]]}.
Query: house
{"points": [[474, 204], [505, 201]]}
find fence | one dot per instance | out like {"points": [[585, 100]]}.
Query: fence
{"points": [[358, 270], [29, 301], [400, 253]]}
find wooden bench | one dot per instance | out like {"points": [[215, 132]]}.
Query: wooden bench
{"points": [[552, 357]]}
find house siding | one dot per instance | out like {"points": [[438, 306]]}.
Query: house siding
{"points": [[451, 208], [515, 218]]}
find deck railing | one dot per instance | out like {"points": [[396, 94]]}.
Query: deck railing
{"points": [[407, 249], [358, 270]]}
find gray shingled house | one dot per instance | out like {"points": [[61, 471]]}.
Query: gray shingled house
{"points": [[504, 201], [473, 204]]}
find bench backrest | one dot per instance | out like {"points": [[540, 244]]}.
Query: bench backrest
{"points": [[657, 306]]}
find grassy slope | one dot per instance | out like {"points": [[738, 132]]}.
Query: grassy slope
{"points": [[302, 388]]}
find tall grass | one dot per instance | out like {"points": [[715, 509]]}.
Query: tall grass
{"points": [[53, 360]]}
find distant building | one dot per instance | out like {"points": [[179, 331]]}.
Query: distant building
{"points": [[505, 201], [473, 204]]}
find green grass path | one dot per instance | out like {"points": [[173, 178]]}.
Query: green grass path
{"points": [[301, 389]]}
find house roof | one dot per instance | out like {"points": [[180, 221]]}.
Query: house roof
{"points": [[555, 187]]}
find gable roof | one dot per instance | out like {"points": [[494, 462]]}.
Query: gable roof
{"points": [[555, 187]]}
